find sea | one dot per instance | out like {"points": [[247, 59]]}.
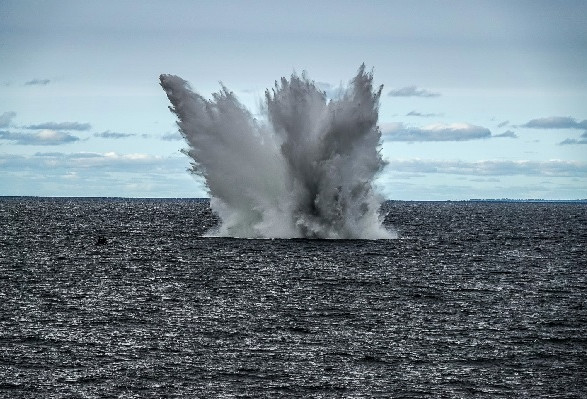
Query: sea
{"points": [[129, 298]]}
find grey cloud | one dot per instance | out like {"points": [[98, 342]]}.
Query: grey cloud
{"points": [[502, 124], [555, 168], [113, 135], [171, 136], [60, 126], [573, 141], [507, 133], [37, 82], [437, 132], [44, 137], [556, 122], [6, 118], [412, 91], [415, 113], [582, 140]]}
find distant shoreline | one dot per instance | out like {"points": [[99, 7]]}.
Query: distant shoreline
{"points": [[525, 200], [492, 200]]}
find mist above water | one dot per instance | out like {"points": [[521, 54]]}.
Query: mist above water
{"points": [[305, 170]]}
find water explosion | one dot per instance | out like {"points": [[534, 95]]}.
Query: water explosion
{"points": [[305, 171]]}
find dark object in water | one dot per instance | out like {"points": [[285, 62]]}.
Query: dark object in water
{"points": [[101, 241]]}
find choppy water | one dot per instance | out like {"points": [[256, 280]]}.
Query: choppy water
{"points": [[473, 300]]}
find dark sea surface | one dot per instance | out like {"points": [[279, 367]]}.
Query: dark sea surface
{"points": [[473, 300]]}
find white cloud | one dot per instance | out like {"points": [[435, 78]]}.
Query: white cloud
{"points": [[434, 132]]}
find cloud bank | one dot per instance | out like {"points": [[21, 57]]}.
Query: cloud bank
{"points": [[109, 161], [97, 174]]}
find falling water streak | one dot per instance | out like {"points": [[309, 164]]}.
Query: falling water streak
{"points": [[307, 171]]}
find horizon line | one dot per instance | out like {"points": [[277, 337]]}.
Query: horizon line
{"points": [[2, 196]]}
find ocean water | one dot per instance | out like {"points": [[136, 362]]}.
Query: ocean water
{"points": [[126, 298]]}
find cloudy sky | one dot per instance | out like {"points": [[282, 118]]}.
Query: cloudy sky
{"points": [[481, 99]]}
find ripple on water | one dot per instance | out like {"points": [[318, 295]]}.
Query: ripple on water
{"points": [[473, 300]]}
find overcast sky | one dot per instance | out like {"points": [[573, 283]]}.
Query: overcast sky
{"points": [[481, 99]]}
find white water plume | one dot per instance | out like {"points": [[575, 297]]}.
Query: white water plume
{"points": [[307, 170]]}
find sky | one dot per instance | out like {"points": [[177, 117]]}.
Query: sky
{"points": [[481, 99]]}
